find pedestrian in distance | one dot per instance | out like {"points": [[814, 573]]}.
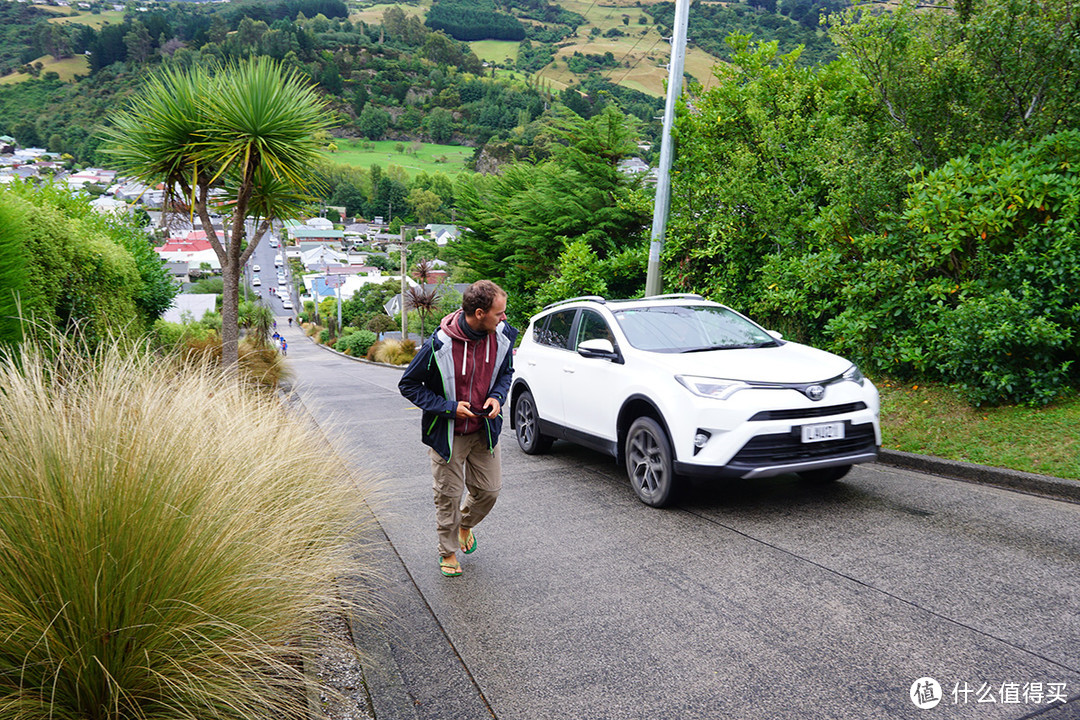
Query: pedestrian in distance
{"points": [[284, 347], [460, 378], [290, 321]]}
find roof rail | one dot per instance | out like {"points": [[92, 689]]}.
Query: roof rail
{"points": [[594, 298], [671, 296]]}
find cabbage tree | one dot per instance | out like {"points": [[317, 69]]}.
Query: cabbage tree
{"points": [[237, 140]]}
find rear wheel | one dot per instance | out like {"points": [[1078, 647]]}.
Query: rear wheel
{"points": [[527, 426], [649, 463], [825, 475]]}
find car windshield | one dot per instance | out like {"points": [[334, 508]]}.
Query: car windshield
{"points": [[694, 328]]}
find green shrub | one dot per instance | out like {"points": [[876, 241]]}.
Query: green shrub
{"points": [[324, 337], [358, 342], [145, 573], [1003, 349]]}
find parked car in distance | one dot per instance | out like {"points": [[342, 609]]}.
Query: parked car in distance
{"points": [[676, 385], [286, 303], [273, 242], [255, 281], [255, 268]]}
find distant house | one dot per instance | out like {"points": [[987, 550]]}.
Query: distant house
{"points": [[317, 289], [178, 270], [193, 306], [443, 234], [309, 234], [193, 249], [322, 255], [108, 205], [91, 176], [319, 223]]}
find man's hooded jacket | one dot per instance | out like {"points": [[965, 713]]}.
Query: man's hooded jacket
{"points": [[453, 366]]}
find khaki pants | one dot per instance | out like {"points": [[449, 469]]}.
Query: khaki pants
{"points": [[471, 466]]}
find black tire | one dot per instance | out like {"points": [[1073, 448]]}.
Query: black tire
{"points": [[527, 426], [825, 475], [649, 463]]}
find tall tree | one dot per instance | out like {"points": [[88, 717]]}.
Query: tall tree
{"points": [[521, 221], [239, 141]]}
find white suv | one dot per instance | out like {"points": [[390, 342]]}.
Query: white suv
{"points": [[676, 385]]}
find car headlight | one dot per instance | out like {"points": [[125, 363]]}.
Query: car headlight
{"points": [[715, 388], [854, 374]]}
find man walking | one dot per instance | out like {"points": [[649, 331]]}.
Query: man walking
{"points": [[460, 379]]}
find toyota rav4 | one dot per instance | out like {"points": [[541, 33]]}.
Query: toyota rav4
{"points": [[677, 385]]}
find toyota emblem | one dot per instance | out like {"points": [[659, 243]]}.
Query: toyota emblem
{"points": [[815, 392]]}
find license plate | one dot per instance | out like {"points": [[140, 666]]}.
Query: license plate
{"points": [[822, 431]]}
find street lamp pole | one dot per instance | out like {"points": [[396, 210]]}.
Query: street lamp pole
{"points": [[663, 180]]}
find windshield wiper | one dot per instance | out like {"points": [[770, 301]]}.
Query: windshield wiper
{"points": [[707, 348]]}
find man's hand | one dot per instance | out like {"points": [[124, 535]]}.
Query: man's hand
{"points": [[491, 406]]}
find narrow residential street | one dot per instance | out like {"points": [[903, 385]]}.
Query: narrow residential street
{"points": [[765, 599]]}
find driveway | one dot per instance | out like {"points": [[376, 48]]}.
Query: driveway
{"points": [[765, 599]]}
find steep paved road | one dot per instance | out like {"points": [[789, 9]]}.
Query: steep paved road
{"points": [[769, 599]]}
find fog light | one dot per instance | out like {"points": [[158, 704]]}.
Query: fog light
{"points": [[700, 438]]}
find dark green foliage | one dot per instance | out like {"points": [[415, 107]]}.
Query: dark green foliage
{"points": [[477, 20], [978, 282], [1006, 71], [17, 44], [522, 221], [711, 23], [13, 271], [356, 343], [584, 63], [78, 271]]}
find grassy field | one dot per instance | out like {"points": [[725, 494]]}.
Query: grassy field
{"points": [[641, 52], [384, 153], [106, 17], [67, 69], [373, 13], [932, 420], [498, 51]]}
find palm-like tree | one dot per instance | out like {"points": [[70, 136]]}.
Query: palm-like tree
{"points": [[423, 299], [239, 140]]}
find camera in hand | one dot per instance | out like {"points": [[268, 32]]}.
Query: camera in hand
{"points": [[476, 410]]}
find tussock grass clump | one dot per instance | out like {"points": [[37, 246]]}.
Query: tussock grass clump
{"points": [[393, 352], [168, 541]]}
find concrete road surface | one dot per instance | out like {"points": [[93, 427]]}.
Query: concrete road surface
{"points": [[766, 599]]}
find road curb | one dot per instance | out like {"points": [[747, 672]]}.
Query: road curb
{"points": [[1044, 485]]}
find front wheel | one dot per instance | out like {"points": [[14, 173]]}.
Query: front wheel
{"points": [[825, 475], [649, 463], [527, 426]]}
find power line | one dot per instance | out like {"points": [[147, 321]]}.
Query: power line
{"points": [[643, 55]]}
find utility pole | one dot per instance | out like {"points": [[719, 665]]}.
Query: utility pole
{"points": [[404, 312], [663, 181]]}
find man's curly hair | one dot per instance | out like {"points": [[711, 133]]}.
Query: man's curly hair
{"points": [[480, 295]]}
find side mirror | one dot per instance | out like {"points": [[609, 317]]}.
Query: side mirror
{"points": [[777, 335], [598, 348]]}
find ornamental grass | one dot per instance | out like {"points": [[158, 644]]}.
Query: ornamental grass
{"points": [[169, 542]]}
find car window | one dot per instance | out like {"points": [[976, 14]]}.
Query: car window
{"points": [[671, 328], [592, 326], [555, 331]]}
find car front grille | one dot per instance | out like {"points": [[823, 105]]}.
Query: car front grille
{"points": [[815, 412], [788, 447]]}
